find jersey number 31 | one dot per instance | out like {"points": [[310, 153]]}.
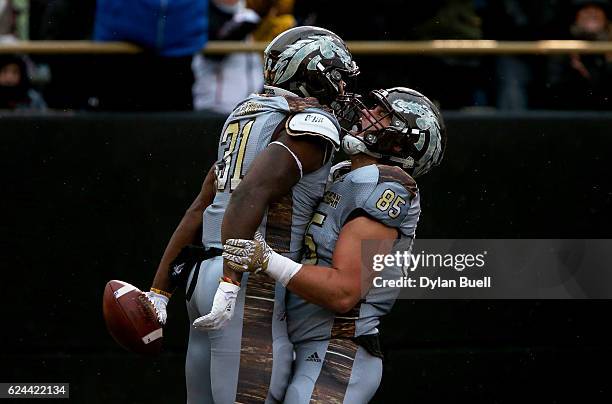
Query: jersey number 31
{"points": [[231, 137]]}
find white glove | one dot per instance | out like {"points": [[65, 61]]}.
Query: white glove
{"points": [[159, 302], [255, 255], [222, 309]]}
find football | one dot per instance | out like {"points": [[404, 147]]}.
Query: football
{"points": [[131, 318]]}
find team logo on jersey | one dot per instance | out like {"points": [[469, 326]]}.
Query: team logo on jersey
{"points": [[314, 358], [332, 199], [291, 58], [177, 269], [248, 108]]}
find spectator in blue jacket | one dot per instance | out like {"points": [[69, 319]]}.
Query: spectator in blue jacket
{"points": [[170, 32]]}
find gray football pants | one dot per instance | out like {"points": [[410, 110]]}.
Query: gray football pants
{"points": [[333, 371], [235, 363]]}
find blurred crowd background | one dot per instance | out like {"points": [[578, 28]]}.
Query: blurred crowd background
{"points": [[173, 75]]}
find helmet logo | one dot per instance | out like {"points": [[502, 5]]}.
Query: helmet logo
{"points": [[291, 58], [426, 120]]}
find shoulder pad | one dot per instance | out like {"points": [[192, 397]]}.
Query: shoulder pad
{"points": [[314, 123]]}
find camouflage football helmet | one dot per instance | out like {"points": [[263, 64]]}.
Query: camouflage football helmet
{"points": [[408, 131], [310, 62]]}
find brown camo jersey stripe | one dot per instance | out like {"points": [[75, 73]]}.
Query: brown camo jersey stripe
{"points": [[344, 325], [331, 385], [256, 345], [396, 174], [298, 104], [256, 349]]}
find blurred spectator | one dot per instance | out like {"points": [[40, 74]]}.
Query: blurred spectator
{"points": [[453, 19], [517, 78], [171, 32], [13, 19], [68, 78], [7, 20], [16, 92], [584, 81], [276, 17], [224, 80]]}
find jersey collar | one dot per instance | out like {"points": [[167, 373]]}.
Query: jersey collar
{"points": [[279, 91]]}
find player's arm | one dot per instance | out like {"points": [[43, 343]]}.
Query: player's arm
{"points": [[272, 175], [340, 286], [187, 232]]}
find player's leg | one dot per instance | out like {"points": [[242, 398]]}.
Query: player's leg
{"points": [[197, 368], [282, 349], [253, 363], [309, 357], [225, 343], [241, 353], [365, 378], [197, 365], [346, 373]]}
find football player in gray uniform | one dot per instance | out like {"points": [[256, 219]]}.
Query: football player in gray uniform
{"points": [[332, 313], [274, 157]]}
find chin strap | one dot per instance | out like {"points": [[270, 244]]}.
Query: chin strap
{"points": [[353, 145]]}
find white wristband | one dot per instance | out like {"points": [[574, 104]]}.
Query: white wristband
{"points": [[282, 268]]}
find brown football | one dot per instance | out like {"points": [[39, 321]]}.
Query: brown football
{"points": [[131, 318]]}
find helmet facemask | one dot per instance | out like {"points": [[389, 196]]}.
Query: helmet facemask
{"points": [[327, 84], [351, 109]]}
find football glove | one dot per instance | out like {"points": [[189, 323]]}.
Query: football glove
{"points": [[159, 302], [255, 255], [222, 309]]}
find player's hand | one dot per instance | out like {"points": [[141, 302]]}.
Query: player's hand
{"points": [[247, 255], [255, 255], [222, 309], [159, 302]]}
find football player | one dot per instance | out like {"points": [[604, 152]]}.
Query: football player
{"points": [[274, 157], [373, 197]]}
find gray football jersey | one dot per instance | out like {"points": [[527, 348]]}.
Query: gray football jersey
{"points": [[386, 194], [248, 130]]}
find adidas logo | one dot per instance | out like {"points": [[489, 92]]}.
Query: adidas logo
{"points": [[314, 358]]}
